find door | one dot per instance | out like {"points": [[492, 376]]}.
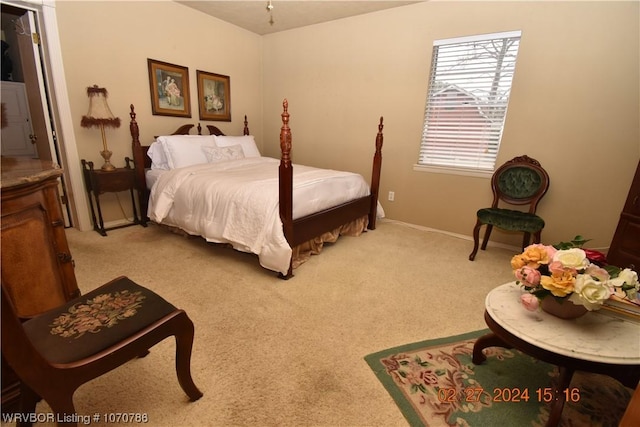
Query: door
{"points": [[17, 135], [29, 45], [20, 28]]}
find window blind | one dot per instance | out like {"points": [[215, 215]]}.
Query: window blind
{"points": [[469, 87]]}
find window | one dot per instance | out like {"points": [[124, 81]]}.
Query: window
{"points": [[467, 101]]}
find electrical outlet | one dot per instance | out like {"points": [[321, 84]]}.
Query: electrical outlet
{"points": [[392, 196]]}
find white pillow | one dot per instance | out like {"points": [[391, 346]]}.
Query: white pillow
{"points": [[157, 156], [220, 154], [185, 150], [247, 142]]}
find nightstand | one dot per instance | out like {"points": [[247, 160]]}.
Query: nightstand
{"points": [[98, 182]]}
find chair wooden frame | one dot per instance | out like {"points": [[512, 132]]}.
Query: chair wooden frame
{"points": [[498, 196], [57, 382]]}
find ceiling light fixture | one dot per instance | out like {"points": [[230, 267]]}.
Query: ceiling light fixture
{"points": [[270, 9]]}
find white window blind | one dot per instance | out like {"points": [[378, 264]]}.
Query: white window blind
{"points": [[467, 100]]}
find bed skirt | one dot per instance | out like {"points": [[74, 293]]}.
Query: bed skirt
{"points": [[303, 251]]}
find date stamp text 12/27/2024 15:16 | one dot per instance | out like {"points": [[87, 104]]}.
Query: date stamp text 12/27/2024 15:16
{"points": [[510, 395]]}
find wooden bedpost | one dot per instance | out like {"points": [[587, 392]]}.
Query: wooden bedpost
{"points": [[375, 178], [138, 162], [286, 181], [245, 131]]}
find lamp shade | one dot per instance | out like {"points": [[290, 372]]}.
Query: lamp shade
{"points": [[99, 113]]}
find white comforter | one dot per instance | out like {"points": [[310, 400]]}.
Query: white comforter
{"points": [[236, 202]]}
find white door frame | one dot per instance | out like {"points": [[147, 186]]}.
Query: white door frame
{"points": [[61, 108]]}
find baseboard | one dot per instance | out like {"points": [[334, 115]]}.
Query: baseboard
{"points": [[516, 249]]}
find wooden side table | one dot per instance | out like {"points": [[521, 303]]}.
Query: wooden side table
{"points": [[98, 182]]}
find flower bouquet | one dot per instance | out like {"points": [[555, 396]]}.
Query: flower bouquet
{"points": [[569, 273]]}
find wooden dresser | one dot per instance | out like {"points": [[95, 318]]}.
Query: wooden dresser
{"points": [[625, 246], [37, 267]]}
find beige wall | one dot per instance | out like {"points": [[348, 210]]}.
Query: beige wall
{"points": [[574, 106], [108, 43], [575, 102]]}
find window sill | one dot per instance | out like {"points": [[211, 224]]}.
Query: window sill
{"points": [[449, 170]]}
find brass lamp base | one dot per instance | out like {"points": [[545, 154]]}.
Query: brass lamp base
{"points": [[107, 166]]}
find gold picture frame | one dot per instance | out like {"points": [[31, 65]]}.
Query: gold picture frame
{"points": [[169, 86], [214, 96]]}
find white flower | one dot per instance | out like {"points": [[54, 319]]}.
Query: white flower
{"points": [[572, 258], [627, 276], [590, 292]]}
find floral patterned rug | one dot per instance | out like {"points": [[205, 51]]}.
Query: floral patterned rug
{"points": [[435, 383]]}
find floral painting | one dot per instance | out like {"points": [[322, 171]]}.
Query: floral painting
{"points": [[214, 96]]}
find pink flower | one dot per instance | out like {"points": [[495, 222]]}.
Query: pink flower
{"points": [[529, 301], [599, 273], [429, 377], [556, 267], [530, 277]]}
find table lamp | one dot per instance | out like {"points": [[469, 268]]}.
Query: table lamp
{"points": [[100, 115]]}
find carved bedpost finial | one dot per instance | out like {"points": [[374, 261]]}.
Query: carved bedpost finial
{"points": [[285, 135], [133, 126], [245, 131], [379, 136], [375, 178]]}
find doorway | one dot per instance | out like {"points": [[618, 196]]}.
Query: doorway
{"points": [[36, 64]]}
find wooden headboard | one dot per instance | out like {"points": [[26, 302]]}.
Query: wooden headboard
{"points": [[182, 130]]}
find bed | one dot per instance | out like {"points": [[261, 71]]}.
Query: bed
{"points": [[238, 197]]}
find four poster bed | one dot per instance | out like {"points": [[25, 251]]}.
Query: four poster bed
{"points": [[221, 188]]}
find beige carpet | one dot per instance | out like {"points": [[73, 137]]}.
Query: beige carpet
{"points": [[269, 352]]}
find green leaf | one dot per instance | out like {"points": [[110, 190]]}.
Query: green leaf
{"points": [[541, 293], [577, 242], [613, 270]]}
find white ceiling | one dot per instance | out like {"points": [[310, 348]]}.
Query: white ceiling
{"points": [[253, 15]]}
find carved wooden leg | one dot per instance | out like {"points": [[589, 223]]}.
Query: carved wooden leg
{"points": [[62, 405], [28, 401], [476, 239], [184, 345], [556, 407], [488, 340], [537, 236], [487, 233]]}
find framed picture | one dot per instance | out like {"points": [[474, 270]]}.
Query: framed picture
{"points": [[169, 86], [214, 96]]}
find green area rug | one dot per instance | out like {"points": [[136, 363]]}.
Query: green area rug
{"points": [[435, 383]]}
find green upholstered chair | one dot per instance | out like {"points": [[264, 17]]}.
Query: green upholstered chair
{"points": [[520, 181], [56, 352]]}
